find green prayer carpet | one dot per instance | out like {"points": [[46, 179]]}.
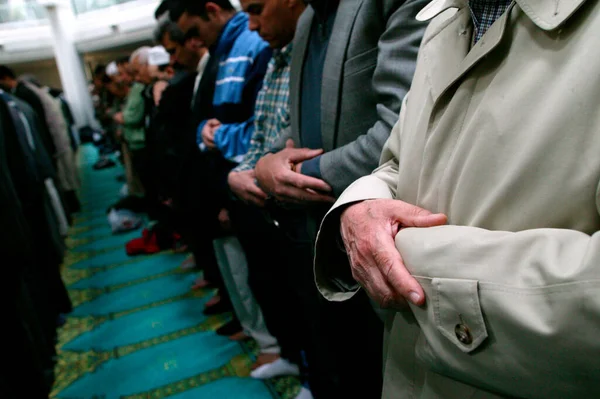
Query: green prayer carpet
{"points": [[137, 330]]}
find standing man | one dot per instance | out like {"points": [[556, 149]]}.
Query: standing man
{"points": [[242, 58], [184, 155], [352, 65], [133, 116], [484, 213], [276, 22], [55, 133]]}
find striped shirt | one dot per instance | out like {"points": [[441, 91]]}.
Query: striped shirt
{"points": [[485, 13], [272, 111]]}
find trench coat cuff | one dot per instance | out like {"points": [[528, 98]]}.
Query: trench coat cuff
{"points": [[333, 275]]}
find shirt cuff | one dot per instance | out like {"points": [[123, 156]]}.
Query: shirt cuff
{"points": [[199, 134], [243, 167], [312, 167]]}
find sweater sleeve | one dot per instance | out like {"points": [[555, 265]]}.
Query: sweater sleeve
{"points": [[133, 113]]}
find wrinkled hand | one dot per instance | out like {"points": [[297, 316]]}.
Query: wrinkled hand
{"points": [[242, 184], [208, 133], [369, 229], [276, 175], [118, 117]]}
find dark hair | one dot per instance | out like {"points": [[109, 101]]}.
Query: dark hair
{"points": [[197, 8], [122, 60], [6, 72], [162, 8], [100, 70], [55, 92], [191, 33], [170, 27]]}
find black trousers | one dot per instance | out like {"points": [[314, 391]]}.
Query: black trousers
{"points": [[342, 340], [201, 194], [269, 277]]}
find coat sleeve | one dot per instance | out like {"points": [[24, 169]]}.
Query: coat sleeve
{"points": [[498, 303], [332, 269], [233, 139], [527, 302], [133, 112], [396, 61]]}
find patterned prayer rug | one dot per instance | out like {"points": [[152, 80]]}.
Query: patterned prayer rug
{"points": [[137, 331]]}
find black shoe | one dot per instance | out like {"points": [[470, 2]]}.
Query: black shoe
{"points": [[222, 307], [104, 164], [230, 328]]}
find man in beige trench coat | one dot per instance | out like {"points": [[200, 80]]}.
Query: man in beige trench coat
{"points": [[484, 214]]}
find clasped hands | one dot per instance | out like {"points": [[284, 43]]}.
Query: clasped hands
{"points": [[280, 175], [368, 230]]}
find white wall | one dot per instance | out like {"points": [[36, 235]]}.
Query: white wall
{"points": [[104, 29]]}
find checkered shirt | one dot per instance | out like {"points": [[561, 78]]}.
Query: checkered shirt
{"points": [[272, 110], [485, 13]]}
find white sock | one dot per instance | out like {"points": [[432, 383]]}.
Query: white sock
{"points": [[304, 394], [277, 368]]}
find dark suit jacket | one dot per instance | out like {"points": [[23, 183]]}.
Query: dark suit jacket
{"points": [[27, 95], [370, 62]]}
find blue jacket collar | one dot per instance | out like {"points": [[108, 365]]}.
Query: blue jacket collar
{"points": [[237, 25]]}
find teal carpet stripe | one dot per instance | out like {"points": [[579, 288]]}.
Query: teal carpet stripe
{"points": [[137, 330]]}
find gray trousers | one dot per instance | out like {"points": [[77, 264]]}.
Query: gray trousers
{"points": [[234, 270]]}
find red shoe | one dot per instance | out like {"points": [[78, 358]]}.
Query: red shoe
{"points": [[135, 246], [147, 244]]}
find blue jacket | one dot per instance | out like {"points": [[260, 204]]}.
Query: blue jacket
{"points": [[243, 58]]}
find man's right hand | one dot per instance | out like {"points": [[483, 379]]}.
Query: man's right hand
{"points": [[276, 174], [242, 184], [208, 133], [369, 229]]}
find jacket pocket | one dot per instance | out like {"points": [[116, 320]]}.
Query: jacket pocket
{"points": [[457, 312], [361, 62]]}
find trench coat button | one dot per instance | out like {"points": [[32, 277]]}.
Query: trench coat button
{"points": [[463, 334]]}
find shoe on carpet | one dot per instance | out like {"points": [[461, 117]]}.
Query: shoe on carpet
{"points": [[278, 368], [188, 263], [201, 283], [221, 307], [147, 244], [104, 164], [213, 301], [265, 358], [230, 328], [239, 336]]}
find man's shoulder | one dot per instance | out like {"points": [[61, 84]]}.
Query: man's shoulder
{"points": [[248, 43], [385, 9]]}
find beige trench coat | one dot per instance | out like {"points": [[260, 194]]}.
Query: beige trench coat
{"points": [[504, 138]]}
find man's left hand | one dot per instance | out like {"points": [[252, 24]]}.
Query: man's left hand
{"points": [[118, 117], [208, 133], [275, 174]]}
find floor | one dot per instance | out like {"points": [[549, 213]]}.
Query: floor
{"points": [[137, 330]]}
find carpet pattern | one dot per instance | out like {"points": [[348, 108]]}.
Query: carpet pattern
{"points": [[137, 330]]}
